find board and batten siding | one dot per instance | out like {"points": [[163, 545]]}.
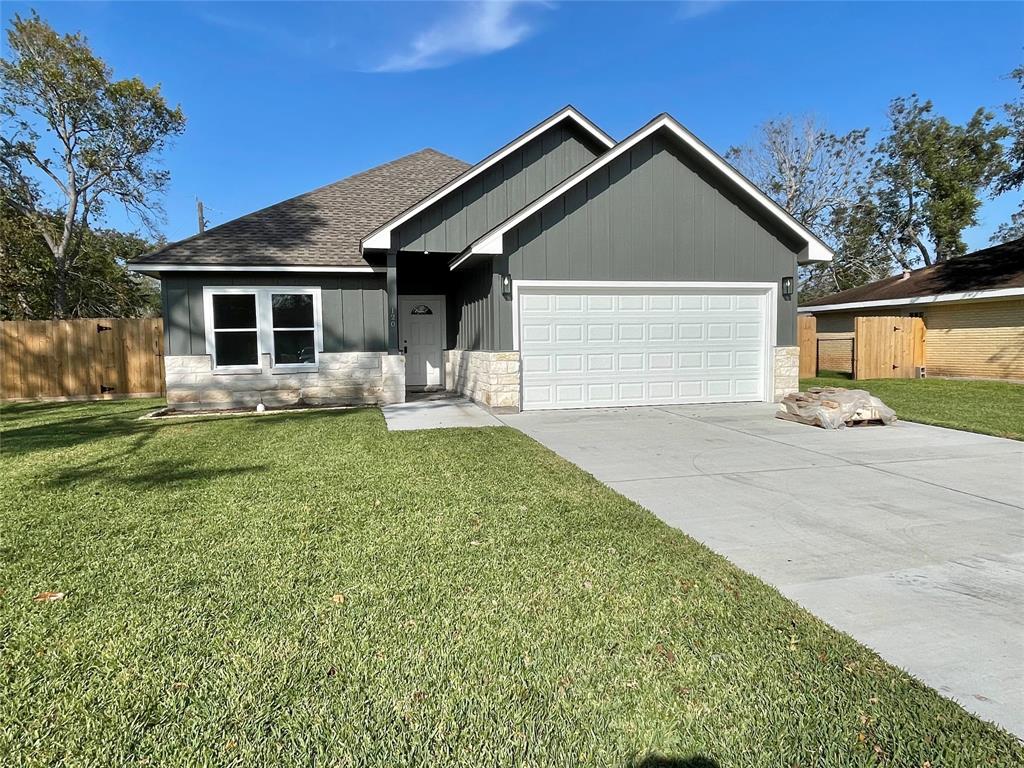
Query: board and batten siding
{"points": [[454, 221], [650, 214], [354, 307], [476, 305], [983, 339]]}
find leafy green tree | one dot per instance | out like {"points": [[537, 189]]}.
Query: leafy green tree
{"points": [[1013, 178], [97, 283], [74, 139], [927, 179]]}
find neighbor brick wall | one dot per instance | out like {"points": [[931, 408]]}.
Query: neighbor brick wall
{"points": [[983, 339]]}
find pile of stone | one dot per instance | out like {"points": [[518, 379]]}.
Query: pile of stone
{"points": [[835, 408]]}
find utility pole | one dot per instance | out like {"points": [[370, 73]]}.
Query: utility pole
{"points": [[199, 213]]}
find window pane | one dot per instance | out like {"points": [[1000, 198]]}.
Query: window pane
{"points": [[234, 310], [237, 348], [294, 347], [293, 310]]}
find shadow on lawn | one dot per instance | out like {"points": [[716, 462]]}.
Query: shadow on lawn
{"points": [[68, 429], [72, 430], [148, 476], [664, 761]]}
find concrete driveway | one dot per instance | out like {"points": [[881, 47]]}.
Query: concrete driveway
{"points": [[910, 538]]}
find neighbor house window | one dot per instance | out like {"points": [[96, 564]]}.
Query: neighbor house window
{"points": [[244, 323]]}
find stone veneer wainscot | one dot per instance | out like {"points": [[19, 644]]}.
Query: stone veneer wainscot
{"points": [[341, 378], [786, 371], [489, 378]]}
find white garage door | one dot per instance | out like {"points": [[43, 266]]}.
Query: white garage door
{"points": [[589, 348]]}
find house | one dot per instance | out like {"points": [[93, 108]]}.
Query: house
{"points": [[973, 310], [565, 270]]}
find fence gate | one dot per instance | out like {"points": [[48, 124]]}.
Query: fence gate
{"points": [[888, 347], [807, 338], [94, 358]]}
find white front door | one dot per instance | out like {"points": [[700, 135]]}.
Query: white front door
{"points": [[590, 347], [422, 332]]}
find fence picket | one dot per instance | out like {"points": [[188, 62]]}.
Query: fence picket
{"points": [[56, 359]]}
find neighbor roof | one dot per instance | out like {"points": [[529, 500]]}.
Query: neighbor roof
{"points": [[318, 228], [994, 271]]}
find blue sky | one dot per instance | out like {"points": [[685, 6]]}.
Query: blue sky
{"points": [[282, 98]]}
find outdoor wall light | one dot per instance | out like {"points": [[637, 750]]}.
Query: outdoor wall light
{"points": [[787, 288], [506, 286]]}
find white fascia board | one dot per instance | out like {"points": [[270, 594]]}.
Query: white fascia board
{"points": [[938, 298], [817, 252], [491, 242], [144, 268], [380, 238]]}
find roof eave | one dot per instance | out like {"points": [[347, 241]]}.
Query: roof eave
{"points": [[935, 298], [148, 268]]}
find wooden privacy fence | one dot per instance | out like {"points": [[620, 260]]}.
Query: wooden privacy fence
{"points": [[806, 337], [888, 347], [81, 359], [880, 347]]}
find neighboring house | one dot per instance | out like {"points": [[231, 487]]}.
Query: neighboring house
{"points": [[973, 310], [565, 270]]}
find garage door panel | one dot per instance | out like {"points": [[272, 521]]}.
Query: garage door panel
{"points": [[691, 331], [588, 349]]}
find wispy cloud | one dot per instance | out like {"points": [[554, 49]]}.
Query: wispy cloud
{"points": [[473, 29], [278, 36], [694, 9]]}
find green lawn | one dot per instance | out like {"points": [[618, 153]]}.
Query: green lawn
{"points": [[990, 407], [308, 589]]}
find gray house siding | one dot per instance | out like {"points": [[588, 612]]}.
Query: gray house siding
{"points": [[652, 214], [354, 307], [473, 312], [450, 224]]}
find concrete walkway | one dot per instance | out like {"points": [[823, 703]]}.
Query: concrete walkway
{"points": [[910, 538], [440, 411]]}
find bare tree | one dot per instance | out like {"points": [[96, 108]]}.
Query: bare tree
{"points": [[804, 167], [820, 178]]}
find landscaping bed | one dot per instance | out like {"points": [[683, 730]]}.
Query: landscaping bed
{"points": [[308, 588]]}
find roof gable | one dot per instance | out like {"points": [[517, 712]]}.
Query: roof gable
{"points": [[380, 238], [814, 249]]}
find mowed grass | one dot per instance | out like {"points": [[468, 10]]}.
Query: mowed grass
{"points": [[309, 589], [989, 407]]}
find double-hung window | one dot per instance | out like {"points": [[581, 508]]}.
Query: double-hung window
{"points": [[242, 324]]}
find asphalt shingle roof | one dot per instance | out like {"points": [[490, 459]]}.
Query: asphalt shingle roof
{"points": [[1001, 266], [318, 228]]}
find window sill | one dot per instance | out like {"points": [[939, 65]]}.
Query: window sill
{"points": [[285, 369], [237, 370]]}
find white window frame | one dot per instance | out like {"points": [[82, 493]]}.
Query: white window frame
{"points": [[264, 326]]}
